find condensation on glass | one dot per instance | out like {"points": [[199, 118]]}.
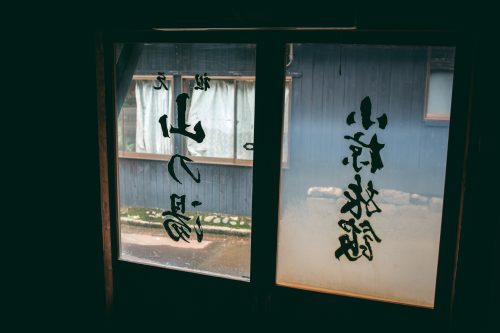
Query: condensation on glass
{"points": [[216, 83], [393, 257]]}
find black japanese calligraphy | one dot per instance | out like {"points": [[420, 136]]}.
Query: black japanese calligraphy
{"points": [[374, 146], [199, 133], [360, 200], [350, 246], [248, 146], [164, 126], [202, 82], [366, 112], [354, 205], [176, 223], [184, 166], [161, 78]]}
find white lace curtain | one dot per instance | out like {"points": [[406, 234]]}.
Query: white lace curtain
{"points": [[151, 105], [215, 109]]}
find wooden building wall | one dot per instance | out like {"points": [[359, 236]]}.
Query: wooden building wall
{"points": [[328, 83]]}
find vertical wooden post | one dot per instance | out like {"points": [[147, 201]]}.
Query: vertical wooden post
{"points": [[103, 172]]}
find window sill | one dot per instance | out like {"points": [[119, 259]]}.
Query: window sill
{"points": [[221, 161], [196, 159], [144, 156], [437, 121]]}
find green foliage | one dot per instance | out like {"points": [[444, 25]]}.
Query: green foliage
{"points": [[154, 215]]}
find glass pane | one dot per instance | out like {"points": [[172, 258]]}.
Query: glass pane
{"points": [[440, 86], [216, 108], [439, 82], [362, 192], [139, 116], [183, 205]]}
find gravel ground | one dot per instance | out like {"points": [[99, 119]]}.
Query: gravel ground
{"points": [[226, 255]]}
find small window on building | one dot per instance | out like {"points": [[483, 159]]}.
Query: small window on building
{"points": [[227, 112], [439, 83], [139, 134]]}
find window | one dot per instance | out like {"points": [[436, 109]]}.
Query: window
{"points": [[139, 135], [227, 111], [230, 102], [386, 249], [176, 213], [294, 244], [439, 83]]}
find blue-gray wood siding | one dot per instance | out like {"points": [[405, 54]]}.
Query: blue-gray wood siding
{"points": [[226, 189], [333, 81]]}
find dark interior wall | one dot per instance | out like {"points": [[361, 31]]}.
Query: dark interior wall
{"points": [[477, 291], [61, 282]]}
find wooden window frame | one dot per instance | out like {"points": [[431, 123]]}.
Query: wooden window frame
{"points": [[262, 294], [149, 156]]}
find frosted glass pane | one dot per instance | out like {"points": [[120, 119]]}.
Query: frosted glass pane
{"points": [[357, 116], [440, 86]]}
